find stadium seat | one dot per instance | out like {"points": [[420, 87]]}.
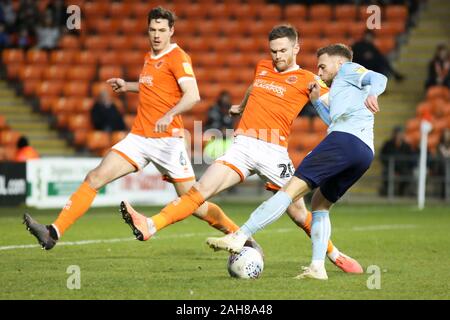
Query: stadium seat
{"points": [[92, 10], [36, 56], [3, 123], [218, 11], [49, 88], [29, 87], [85, 57], [11, 56], [119, 42], [140, 43], [320, 12], [131, 26], [312, 29], [270, 12], [356, 30], [76, 89], [120, 9], [295, 12], [132, 57], [63, 105], [245, 11], [413, 125], [438, 107], [345, 12], [9, 137], [83, 104], [62, 57], [104, 26], [390, 28], [45, 103], [96, 43], [55, 72], [424, 108], [140, 10], [81, 73], [69, 42], [132, 100], [363, 14], [31, 72], [259, 28], [110, 57], [385, 44], [438, 92], [133, 72], [107, 72], [413, 138], [396, 13], [97, 140], [79, 122]]}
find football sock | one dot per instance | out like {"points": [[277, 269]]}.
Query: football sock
{"points": [[178, 209], [78, 204], [218, 219], [332, 251], [320, 234], [266, 213]]}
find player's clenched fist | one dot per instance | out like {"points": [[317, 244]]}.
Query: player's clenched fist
{"points": [[117, 84], [235, 110], [314, 91], [163, 124]]}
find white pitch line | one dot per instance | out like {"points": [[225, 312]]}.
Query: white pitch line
{"points": [[190, 235]]}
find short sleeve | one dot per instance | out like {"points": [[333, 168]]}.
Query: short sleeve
{"points": [[353, 73], [181, 67]]}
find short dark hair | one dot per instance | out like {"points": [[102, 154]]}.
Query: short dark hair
{"points": [[22, 142], [284, 31], [161, 13], [337, 49]]}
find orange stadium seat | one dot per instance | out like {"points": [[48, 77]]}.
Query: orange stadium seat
{"points": [[92, 10], [424, 108], [295, 12], [110, 57], [232, 28], [245, 11], [356, 30], [132, 100], [10, 56], [69, 42], [108, 72], [30, 87], [207, 27], [270, 12], [396, 13], [81, 73], [219, 11], [79, 122], [336, 29], [413, 125], [185, 27], [9, 137], [385, 44], [312, 29], [390, 28], [260, 28], [140, 43], [62, 56], [12, 70], [105, 26], [45, 103], [120, 9], [413, 138], [83, 104], [363, 14], [96, 43], [140, 9], [76, 89], [438, 106], [49, 88], [63, 105], [99, 86], [439, 124], [3, 123], [31, 72], [345, 12], [97, 140], [85, 57], [223, 44], [37, 56], [119, 42], [132, 57], [210, 90], [438, 92], [131, 26], [133, 72], [55, 72], [320, 12]]}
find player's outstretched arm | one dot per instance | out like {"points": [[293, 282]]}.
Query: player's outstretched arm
{"points": [[119, 85], [237, 110], [190, 97], [319, 105]]}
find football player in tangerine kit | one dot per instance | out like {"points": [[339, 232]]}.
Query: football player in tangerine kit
{"points": [[167, 88], [272, 102]]}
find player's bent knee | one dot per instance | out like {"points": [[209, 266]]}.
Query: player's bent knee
{"points": [[95, 179]]}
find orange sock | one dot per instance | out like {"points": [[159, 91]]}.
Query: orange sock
{"points": [[179, 209], [307, 228], [218, 219], [78, 204]]}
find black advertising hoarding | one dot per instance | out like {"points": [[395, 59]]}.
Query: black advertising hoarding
{"points": [[13, 183]]}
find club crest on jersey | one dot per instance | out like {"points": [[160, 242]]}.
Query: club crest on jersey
{"points": [[146, 79], [159, 64], [291, 79]]}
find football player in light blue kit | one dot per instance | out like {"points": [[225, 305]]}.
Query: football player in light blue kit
{"points": [[335, 164]]}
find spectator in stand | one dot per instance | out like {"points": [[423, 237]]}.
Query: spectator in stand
{"points": [[367, 54], [104, 114], [4, 37], [8, 15], [47, 33], [58, 10], [24, 40], [398, 150], [25, 151], [28, 16], [439, 68], [218, 115]]}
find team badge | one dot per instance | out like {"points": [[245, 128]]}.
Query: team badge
{"points": [[291, 79], [159, 64]]}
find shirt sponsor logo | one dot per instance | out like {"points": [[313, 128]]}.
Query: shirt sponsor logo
{"points": [[146, 79], [270, 86], [263, 73]]}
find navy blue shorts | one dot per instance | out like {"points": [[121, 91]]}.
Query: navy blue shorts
{"points": [[335, 164]]}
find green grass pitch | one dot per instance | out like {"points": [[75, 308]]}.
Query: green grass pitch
{"points": [[410, 248]]}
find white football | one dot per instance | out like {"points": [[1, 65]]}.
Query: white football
{"points": [[247, 264]]}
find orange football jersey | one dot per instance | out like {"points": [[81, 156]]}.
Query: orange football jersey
{"points": [[159, 91], [274, 102]]}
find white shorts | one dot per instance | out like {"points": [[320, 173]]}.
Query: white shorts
{"points": [[270, 161], [169, 155]]}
